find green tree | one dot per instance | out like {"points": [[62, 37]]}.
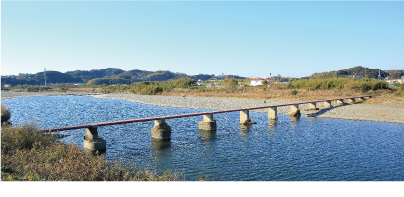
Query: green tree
{"points": [[231, 84]]}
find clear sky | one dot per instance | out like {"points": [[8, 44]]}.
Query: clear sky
{"points": [[249, 39]]}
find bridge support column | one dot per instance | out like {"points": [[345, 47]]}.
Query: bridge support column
{"points": [[340, 102], [92, 142], [161, 130], [351, 101], [327, 104], [208, 123], [245, 117], [294, 111], [313, 106], [272, 113]]}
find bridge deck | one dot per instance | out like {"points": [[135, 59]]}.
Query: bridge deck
{"points": [[90, 125]]}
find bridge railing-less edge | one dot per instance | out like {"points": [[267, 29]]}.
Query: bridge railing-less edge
{"points": [[163, 132]]}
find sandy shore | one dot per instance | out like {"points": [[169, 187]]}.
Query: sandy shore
{"points": [[364, 112]]}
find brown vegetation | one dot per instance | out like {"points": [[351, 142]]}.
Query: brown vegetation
{"points": [[5, 113], [27, 155]]}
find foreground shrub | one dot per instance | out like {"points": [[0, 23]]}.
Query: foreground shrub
{"points": [[293, 92], [5, 113], [27, 155], [400, 91]]}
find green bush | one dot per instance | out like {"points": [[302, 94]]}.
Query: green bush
{"points": [[5, 113], [63, 89], [400, 91], [183, 82], [37, 89], [293, 92], [363, 85], [231, 84], [151, 89]]}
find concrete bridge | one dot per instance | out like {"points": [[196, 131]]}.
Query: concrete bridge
{"points": [[162, 131]]}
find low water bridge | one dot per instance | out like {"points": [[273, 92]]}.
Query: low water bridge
{"points": [[162, 131]]}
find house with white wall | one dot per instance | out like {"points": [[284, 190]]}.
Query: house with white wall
{"points": [[256, 82]]}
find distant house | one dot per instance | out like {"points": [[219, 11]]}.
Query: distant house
{"points": [[7, 85], [256, 82], [392, 81]]}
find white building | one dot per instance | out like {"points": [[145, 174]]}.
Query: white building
{"points": [[256, 82]]}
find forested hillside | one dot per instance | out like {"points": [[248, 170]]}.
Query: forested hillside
{"points": [[98, 77], [118, 76], [357, 71]]}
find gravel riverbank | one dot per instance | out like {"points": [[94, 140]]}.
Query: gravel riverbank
{"points": [[364, 112]]}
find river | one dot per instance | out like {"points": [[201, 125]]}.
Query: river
{"points": [[304, 149]]}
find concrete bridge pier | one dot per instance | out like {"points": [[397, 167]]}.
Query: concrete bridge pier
{"points": [[273, 113], [340, 102], [359, 100], [245, 117], [161, 130], [92, 142], [208, 123], [327, 104], [294, 111], [313, 106], [351, 101]]}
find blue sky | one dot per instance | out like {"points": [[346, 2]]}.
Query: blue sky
{"points": [[249, 39]]}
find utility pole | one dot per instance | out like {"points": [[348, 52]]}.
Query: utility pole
{"points": [[379, 75], [44, 75]]}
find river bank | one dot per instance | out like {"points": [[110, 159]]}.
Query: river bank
{"points": [[360, 111]]}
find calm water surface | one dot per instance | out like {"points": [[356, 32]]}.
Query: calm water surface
{"points": [[305, 149]]}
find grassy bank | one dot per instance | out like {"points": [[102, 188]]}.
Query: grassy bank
{"points": [[299, 90], [27, 155]]}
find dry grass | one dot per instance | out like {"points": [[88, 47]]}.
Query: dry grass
{"points": [[27, 155], [260, 93], [379, 96], [275, 93]]}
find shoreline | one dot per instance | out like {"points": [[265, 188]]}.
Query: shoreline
{"points": [[360, 111]]}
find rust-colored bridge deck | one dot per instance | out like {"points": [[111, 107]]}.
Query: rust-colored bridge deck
{"points": [[90, 125]]}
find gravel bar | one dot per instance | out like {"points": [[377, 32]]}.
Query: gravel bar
{"points": [[359, 111]]}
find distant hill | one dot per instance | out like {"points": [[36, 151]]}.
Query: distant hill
{"points": [[100, 76], [395, 74], [357, 71]]}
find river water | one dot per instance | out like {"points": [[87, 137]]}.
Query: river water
{"points": [[305, 149]]}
